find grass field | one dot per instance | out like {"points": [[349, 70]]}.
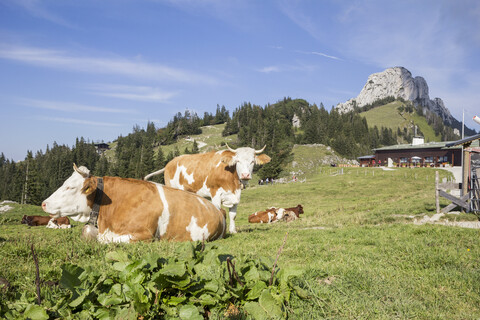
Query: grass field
{"points": [[361, 255], [388, 116]]}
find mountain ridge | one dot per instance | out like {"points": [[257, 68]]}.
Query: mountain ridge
{"points": [[398, 82]]}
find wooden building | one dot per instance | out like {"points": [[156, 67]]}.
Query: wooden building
{"points": [[419, 154], [470, 166], [367, 161], [101, 147]]}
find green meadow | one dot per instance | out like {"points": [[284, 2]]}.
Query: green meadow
{"points": [[390, 117], [359, 252]]}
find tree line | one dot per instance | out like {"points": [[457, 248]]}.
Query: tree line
{"points": [[277, 126]]}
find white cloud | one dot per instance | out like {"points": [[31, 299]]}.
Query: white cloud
{"points": [[269, 69], [135, 93], [82, 122], [319, 54], [118, 66], [66, 106]]}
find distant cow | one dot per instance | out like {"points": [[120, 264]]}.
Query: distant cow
{"points": [[276, 214], [215, 175], [267, 216], [133, 210], [34, 221], [297, 210]]}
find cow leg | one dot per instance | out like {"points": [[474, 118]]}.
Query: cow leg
{"points": [[232, 212]]}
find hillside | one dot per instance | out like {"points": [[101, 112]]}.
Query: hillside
{"points": [[210, 139], [393, 117]]}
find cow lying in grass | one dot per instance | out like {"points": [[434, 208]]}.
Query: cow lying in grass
{"points": [[276, 214], [54, 223], [133, 210]]}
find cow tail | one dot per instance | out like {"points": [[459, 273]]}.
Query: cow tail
{"points": [[148, 176]]}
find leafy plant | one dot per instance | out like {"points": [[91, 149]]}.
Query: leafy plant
{"points": [[197, 281]]}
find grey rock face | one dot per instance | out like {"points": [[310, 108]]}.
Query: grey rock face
{"points": [[397, 82]]}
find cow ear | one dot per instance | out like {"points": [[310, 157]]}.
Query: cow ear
{"points": [[89, 186], [262, 159], [228, 160]]}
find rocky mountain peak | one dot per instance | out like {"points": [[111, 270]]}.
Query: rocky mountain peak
{"points": [[397, 82]]}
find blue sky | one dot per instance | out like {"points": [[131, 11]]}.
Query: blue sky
{"points": [[97, 68]]}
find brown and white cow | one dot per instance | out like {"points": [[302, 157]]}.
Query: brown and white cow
{"points": [[216, 175], [298, 210], [276, 214], [133, 210], [54, 223], [267, 216]]}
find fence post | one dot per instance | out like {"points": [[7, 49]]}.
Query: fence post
{"points": [[437, 196]]}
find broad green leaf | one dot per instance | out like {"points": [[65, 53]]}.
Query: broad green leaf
{"points": [[173, 301], [186, 252], [103, 313], [126, 314], [82, 294], [270, 305], [70, 275], [182, 283], [116, 289], [302, 293], [107, 300], [174, 269], [117, 256], [207, 300], [256, 291], [212, 286], [252, 275], [285, 274], [35, 312], [135, 277], [189, 312], [255, 310], [150, 261], [121, 259]]}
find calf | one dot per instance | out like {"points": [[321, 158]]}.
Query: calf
{"points": [[297, 210], [267, 216], [34, 221], [276, 214], [133, 210]]}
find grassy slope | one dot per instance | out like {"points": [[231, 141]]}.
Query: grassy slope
{"points": [[211, 135], [388, 116], [362, 258]]}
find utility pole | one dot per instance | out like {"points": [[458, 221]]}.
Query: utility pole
{"points": [[25, 188]]}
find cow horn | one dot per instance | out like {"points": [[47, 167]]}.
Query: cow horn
{"points": [[233, 150], [83, 174], [261, 150]]}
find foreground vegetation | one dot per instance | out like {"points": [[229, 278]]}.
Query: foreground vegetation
{"points": [[359, 253]]}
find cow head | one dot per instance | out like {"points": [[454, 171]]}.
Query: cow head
{"points": [[25, 219], [244, 159], [71, 198]]}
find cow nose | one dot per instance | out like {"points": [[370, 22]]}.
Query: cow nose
{"points": [[246, 176], [44, 206]]}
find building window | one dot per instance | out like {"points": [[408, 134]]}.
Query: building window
{"points": [[428, 159], [443, 159], [403, 160]]}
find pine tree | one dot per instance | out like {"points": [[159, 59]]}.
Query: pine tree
{"points": [[195, 148]]}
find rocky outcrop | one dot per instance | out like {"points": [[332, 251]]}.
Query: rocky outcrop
{"points": [[296, 121], [398, 83]]}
